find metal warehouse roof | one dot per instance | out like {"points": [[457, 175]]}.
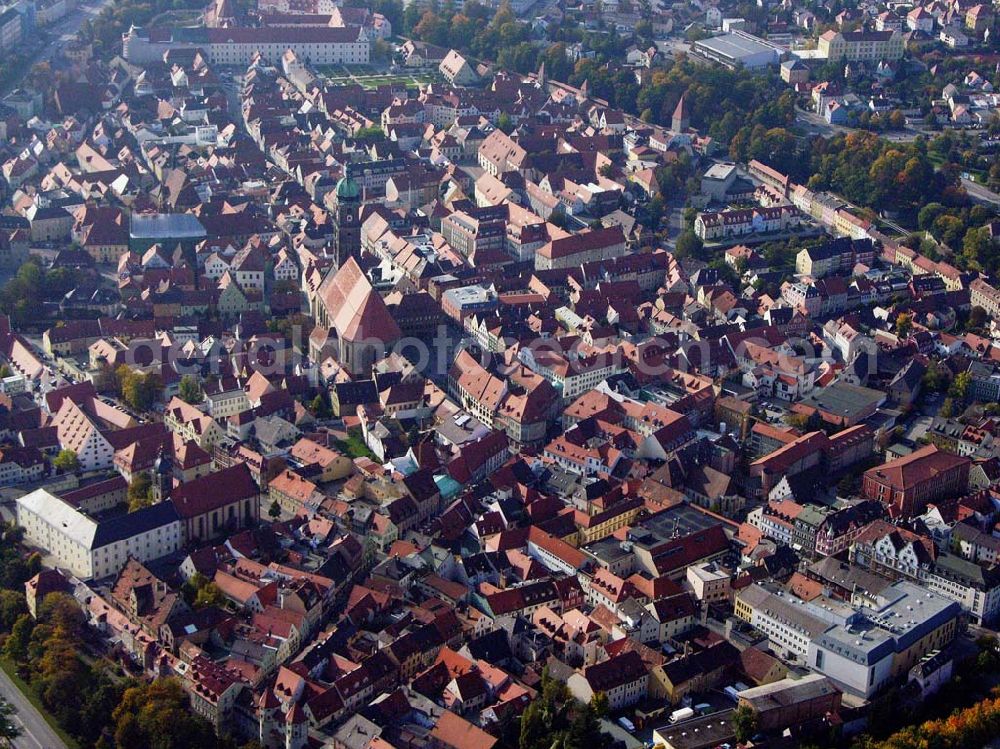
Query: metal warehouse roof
{"points": [[166, 226]]}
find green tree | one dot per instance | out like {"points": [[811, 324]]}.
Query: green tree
{"points": [[9, 730], [189, 390], [191, 587], [933, 379], [15, 647], [374, 133], [505, 124], [977, 247], [66, 461], [274, 510], [555, 719], [599, 705], [744, 723], [138, 390], [689, 245], [656, 210], [200, 592], [320, 407], [12, 607], [140, 492]]}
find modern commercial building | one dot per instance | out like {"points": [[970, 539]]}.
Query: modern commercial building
{"points": [[739, 49], [895, 553], [863, 648]]}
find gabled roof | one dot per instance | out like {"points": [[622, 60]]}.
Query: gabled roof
{"points": [[355, 309], [216, 490]]}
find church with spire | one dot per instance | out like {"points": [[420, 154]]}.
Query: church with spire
{"points": [[347, 220], [680, 122]]}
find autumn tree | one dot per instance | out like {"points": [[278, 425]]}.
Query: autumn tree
{"points": [[904, 324], [157, 715], [138, 390], [209, 595], [947, 409], [959, 389], [973, 726]]}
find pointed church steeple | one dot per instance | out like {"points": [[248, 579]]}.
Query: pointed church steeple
{"points": [[679, 123]]}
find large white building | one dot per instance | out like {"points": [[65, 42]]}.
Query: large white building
{"points": [[10, 28], [316, 45], [863, 649], [861, 45], [94, 549], [739, 49]]}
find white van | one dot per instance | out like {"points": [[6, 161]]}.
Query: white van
{"points": [[683, 714]]}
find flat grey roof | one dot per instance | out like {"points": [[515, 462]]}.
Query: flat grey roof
{"points": [[166, 226], [844, 398], [735, 46], [682, 519], [788, 691], [704, 731], [719, 171]]}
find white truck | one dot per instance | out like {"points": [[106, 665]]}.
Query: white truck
{"points": [[684, 713]]}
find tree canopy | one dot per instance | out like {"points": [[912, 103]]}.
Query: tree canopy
{"points": [[556, 719]]}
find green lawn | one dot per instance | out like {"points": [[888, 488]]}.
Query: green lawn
{"points": [[11, 670], [978, 175], [355, 447], [342, 75]]}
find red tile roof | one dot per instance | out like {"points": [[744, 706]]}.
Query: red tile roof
{"points": [[216, 490]]}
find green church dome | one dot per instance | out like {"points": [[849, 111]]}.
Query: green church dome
{"points": [[347, 189]]}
